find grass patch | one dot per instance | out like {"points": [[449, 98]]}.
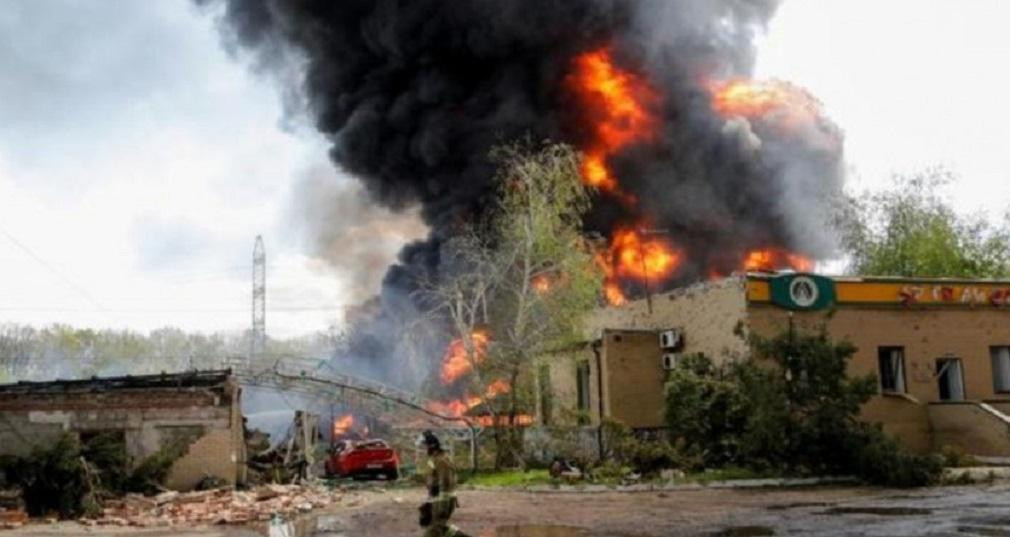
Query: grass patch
{"points": [[730, 473], [510, 478]]}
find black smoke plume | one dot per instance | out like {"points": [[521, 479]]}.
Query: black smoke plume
{"points": [[413, 94]]}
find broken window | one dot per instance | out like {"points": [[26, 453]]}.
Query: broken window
{"points": [[582, 385], [950, 379], [891, 368], [1000, 368]]}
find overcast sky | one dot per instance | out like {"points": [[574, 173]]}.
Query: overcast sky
{"points": [[138, 161]]}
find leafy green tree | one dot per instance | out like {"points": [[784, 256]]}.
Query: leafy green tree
{"points": [[910, 230], [523, 275], [791, 408]]}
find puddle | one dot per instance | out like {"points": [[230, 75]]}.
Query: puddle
{"points": [[535, 531], [745, 531], [986, 520], [548, 531], [797, 505], [984, 531], [911, 496], [883, 511]]}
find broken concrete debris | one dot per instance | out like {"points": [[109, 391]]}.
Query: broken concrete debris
{"points": [[220, 506]]}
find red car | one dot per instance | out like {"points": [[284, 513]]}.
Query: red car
{"points": [[363, 458]]}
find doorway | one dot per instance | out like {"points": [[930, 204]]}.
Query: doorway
{"points": [[950, 379]]}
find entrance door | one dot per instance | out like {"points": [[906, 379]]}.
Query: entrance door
{"points": [[950, 379]]}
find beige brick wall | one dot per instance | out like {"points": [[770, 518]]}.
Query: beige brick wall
{"points": [[633, 378], [902, 419], [214, 454], [708, 313], [925, 334], [970, 428], [563, 384], [709, 316]]}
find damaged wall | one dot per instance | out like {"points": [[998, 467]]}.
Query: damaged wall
{"points": [[199, 414], [709, 314]]}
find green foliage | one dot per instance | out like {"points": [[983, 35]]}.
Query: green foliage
{"points": [[523, 275], [54, 479], [106, 453], [910, 230], [791, 409], [149, 476], [879, 459], [36, 353], [705, 409], [955, 457], [71, 478], [646, 457], [510, 478]]}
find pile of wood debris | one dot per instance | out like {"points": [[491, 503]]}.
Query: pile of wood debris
{"points": [[219, 506]]}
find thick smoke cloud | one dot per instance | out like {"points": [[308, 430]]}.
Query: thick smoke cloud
{"points": [[357, 239], [413, 94]]}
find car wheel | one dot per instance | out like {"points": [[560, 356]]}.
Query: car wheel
{"points": [[393, 476]]}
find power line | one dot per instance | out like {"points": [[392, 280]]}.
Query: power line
{"points": [[295, 309], [77, 288]]}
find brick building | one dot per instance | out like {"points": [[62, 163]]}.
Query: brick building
{"points": [[196, 411], [940, 349]]}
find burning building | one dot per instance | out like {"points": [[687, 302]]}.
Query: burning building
{"points": [[940, 350], [699, 170], [197, 413]]}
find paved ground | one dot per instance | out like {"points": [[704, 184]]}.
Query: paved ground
{"points": [[821, 511]]}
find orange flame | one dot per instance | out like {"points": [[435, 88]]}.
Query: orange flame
{"points": [[630, 255], [342, 425], [771, 259], [541, 284], [643, 258], [617, 103], [457, 407], [456, 363], [613, 293], [774, 100]]}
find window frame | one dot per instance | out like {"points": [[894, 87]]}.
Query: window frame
{"points": [[992, 368], [889, 349], [583, 382]]}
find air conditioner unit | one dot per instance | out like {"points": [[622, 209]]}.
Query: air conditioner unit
{"points": [[670, 339], [670, 360]]}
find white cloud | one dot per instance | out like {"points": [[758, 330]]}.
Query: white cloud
{"points": [[138, 162], [912, 82]]}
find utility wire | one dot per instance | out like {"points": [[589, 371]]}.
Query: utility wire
{"points": [[180, 310], [77, 288]]}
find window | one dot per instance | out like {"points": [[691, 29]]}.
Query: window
{"points": [[950, 379], [582, 384], [1000, 368], [891, 367], [546, 394]]}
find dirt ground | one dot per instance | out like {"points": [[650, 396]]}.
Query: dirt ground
{"points": [[982, 510], [617, 514]]}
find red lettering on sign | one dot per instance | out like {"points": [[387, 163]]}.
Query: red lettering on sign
{"points": [[910, 295]]}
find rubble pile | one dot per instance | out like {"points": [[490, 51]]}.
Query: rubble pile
{"points": [[219, 506]]}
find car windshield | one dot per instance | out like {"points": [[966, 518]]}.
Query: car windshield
{"points": [[372, 444]]}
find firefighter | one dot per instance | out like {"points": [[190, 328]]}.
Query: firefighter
{"points": [[435, 513]]}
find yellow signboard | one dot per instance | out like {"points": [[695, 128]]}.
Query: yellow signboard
{"points": [[905, 293]]}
